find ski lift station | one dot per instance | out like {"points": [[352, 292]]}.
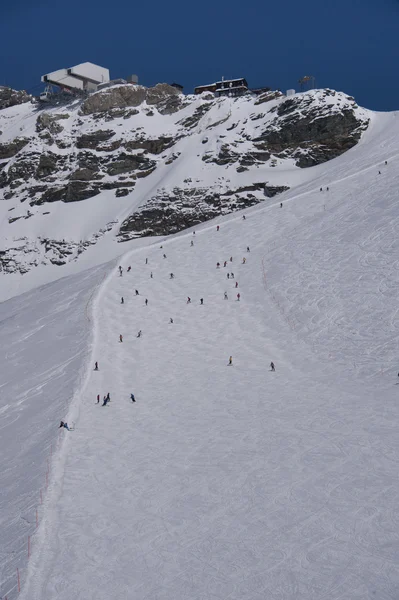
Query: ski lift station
{"points": [[84, 77]]}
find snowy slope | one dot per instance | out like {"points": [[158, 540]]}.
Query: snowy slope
{"points": [[232, 481]]}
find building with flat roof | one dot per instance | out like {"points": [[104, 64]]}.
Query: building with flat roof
{"points": [[84, 77], [225, 87]]}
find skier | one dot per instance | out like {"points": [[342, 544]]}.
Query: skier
{"points": [[98, 398], [193, 232], [151, 274], [225, 263], [386, 162], [132, 398], [328, 189], [321, 189], [243, 217], [120, 271], [225, 296], [188, 300], [96, 366], [146, 301], [172, 276], [105, 401], [244, 260], [139, 333], [65, 425], [232, 275], [217, 228], [272, 367], [201, 301], [122, 300], [171, 320], [218, 265], [230, 361], [108, 397], [164, 255], [231, 259], [137, 293], [192, 243], [146, 261], [238, 297], [236, 284], [379, 172], [120, 338], [228, 275], [281, 205], [248, 250], [128, 269]]}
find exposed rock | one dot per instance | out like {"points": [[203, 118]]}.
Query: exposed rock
{"points": [[80, 190], [10, 97], [84, 175], [268, 96], [49, 121], [115, 97], [160, 92], [122, 192], [171, 105], [301, 124], [12, 148], [197, 115], [48, 164], [226, 156], [125, 163], [93, 140], [153, 146]]}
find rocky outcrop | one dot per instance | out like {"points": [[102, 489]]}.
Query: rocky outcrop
{"points": [[153, 146], [324, 130], [122, 96], [168, 213], [46, 121], [12, 148], [93, 140], [10, 97]]}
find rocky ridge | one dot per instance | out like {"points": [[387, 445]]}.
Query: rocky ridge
{"points": [[118, 138]]}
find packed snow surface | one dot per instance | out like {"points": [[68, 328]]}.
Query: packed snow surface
{"points": [[234, 481]]}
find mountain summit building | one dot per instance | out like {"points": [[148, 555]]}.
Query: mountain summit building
{"points": [[85, 77], [226, 87]]}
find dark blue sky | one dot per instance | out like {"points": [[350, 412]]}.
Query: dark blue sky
{"points": [[349, 45]]}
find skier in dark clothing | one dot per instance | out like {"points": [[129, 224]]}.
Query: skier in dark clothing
{"points": [[146, 301], [228, 275], [272, 367], [281, 205], [217, 228], [248, 250], [217, 265], [164, 255], [120, 337], [171, 320], [188, 300], [172, 276], [137, 292], [201, 301], [96, 366], [146, 261], [98, 398], [105, 401], [132, 398], [108, 397], [128, 269], [122, 300], [232, 275], [139, 333], [192, 243], [65, 425]]}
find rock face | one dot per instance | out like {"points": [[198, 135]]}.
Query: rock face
{"points": [[122, 96], [122, 144], [10, 97], [301, 125]]}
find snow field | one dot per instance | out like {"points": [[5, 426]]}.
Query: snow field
{"points": [[44, 336], [229, 482]]}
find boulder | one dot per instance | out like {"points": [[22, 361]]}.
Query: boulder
{"points": [[93, 140], [161, 92], [12, 148]]}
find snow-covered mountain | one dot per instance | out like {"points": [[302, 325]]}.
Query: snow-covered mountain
{"points": [[130, 161], [220, 482]]}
